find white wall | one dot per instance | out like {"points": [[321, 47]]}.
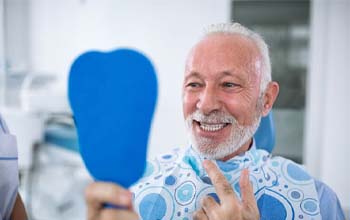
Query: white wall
{"points": [[327, 151], [165, 30], [16, 35]]}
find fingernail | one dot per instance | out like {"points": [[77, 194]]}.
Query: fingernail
{"points": [[205, 163]]}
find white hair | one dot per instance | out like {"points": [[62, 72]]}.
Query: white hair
{"points": [[236, 28]]}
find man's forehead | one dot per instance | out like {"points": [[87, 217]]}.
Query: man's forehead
{"points": [[220, 74], [226, 40], [232, 53]]}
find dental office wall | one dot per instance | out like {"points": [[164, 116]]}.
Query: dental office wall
{"points": [[327, 150]]}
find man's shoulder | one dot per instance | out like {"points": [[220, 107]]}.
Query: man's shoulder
{"points": [[324, 190], [290, 166], [163, 162], [329, 203], [169, 156]]}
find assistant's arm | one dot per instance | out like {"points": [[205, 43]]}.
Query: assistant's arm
{"points": [[18, 211]]}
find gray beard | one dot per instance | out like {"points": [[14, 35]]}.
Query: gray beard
{"points": [[238, 137]]}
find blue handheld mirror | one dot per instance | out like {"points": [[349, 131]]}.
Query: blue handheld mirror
{"points": [[113, 97]]}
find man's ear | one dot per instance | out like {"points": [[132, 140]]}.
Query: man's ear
{"points": [[270, 95]]}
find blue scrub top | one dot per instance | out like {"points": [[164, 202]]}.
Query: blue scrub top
{"points": [[8, 171]]}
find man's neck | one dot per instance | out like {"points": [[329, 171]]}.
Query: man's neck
{"points": [[240, 150]]}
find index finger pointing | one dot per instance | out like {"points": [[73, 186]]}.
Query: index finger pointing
{"points": [[246, 188], [222, 186]]}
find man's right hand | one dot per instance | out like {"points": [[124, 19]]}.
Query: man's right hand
{"points": [[98, 194]]}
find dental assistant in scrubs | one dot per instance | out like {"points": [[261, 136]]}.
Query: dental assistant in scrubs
{"points": [[11, 205]]}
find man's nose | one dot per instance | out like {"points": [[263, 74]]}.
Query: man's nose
{"points": [[208, 101]]}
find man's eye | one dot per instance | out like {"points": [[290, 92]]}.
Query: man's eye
{"points": [[193, 85], [229, 84]]}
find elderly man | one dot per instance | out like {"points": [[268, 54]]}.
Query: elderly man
{"points": [[227, 89]]}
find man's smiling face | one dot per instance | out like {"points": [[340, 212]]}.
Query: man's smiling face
{"points": [[221, 94]]}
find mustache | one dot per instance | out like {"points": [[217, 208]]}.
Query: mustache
{"points": [[214, 117]]}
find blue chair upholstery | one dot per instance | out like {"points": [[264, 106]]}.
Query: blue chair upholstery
{"points": [[265, 135]]}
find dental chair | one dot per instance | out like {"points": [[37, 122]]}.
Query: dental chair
{"points": [[265, 135]]}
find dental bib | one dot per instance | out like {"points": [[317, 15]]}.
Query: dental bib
{"points": [[175, 183]]}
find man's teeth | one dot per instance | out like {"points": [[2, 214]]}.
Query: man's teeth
{"points": [[211, 127]]}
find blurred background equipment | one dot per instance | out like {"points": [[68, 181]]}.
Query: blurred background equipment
{"points": [[288, 38]]}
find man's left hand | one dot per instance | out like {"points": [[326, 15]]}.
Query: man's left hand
{"points": [[230, 208]]}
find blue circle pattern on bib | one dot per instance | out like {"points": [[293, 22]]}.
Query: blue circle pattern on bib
{"points": [[153, 200], [271, 206], [155, 205], [184, 194], [283, 189]]}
